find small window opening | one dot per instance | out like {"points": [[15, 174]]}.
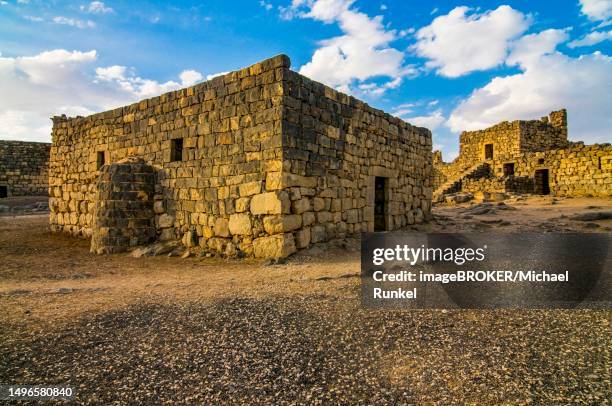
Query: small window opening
{"points": [[381, 187], [541, 161], [509, 169], [488, 151], [100, 159], [599, 163], [176, 152], [3, 191]]}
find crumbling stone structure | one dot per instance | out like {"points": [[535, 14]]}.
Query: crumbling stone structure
{"points": [[258, 162], [123, 213], [525, 157], [24, 168]]}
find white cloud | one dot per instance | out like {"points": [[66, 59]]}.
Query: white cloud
{"points": [[190, 77], [35, 88], [115, 72], [591, 39], [547, 82], [74, 22], [97, 7], [214, 75], [362, 53], [457, 43], [527, 49], [383, 7], [34, 19], [138, 87], [266, 5], [431, 121], [3, 3], [597, 10]]}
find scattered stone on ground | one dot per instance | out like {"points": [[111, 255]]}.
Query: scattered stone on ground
{"points": [[591, 216], [318, 349], [159, 248]]}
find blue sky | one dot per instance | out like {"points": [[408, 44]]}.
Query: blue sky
{"points": [[447, 65]]}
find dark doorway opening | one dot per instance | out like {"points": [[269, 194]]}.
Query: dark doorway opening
{"points": [[488, 151], [381, 186], [509, 169], [3, 191], [541, 186]]}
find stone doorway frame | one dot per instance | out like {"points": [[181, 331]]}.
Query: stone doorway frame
{"points": [[541, 181]]}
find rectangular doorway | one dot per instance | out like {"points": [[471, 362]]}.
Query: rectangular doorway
{"points": [[3, 191], [381, 186], [541, 185], [488, 151]]}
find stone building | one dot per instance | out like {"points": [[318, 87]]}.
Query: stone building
{"points": [[24, 168], [526, 157], [258, 162]]}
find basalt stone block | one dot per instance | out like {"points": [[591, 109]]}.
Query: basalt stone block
{"points": [[240, 224], [274, 247], [270, 203], [282, 223]]}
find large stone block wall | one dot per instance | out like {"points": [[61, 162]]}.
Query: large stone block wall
{"points": [[579, 170], [544, 134], [334, 147], [24, 167], [268, 155], [231, 132]]}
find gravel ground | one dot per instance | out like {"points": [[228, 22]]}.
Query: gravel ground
{"points": [[126, 330], [318, 349]]}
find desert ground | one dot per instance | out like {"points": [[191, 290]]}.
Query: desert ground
{"points": [[206, 329]]}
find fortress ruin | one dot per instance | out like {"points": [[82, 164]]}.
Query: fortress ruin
{"points": [[258, 162], [525, 157]]}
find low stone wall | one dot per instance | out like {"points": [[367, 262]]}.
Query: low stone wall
{"points": [[514, 184], [24, 168]]}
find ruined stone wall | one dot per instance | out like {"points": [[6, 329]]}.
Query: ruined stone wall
{"points": [[441, 171], [579, 170], [268, 155], [24, 167], [505, 138], [544, 134], [123, 214], [335, 146], [509, 140], [231, 133]]}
